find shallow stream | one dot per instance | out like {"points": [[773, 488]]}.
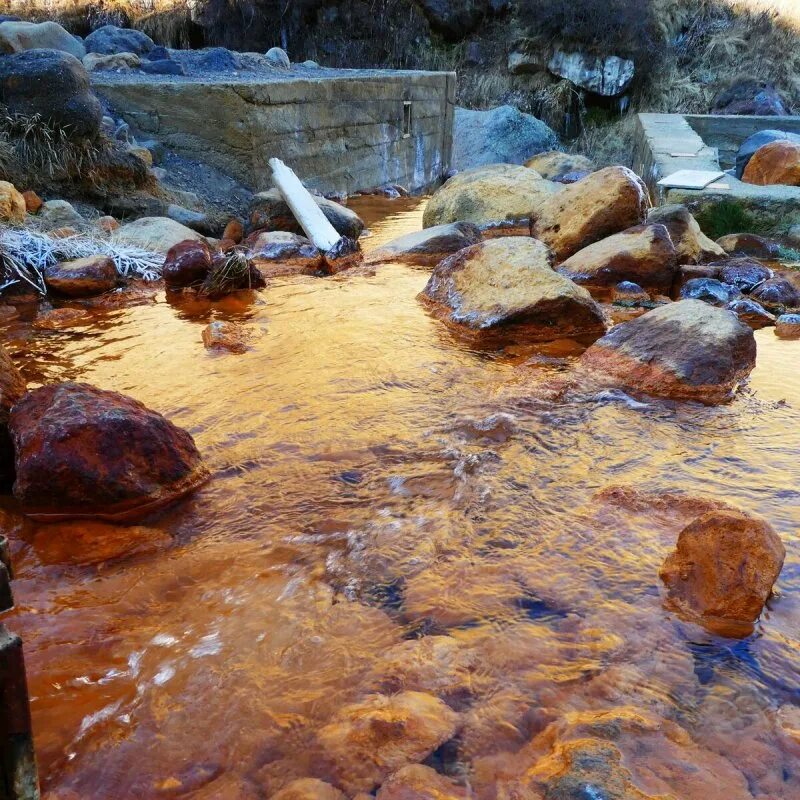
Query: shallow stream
{"points": [[376, 482]]}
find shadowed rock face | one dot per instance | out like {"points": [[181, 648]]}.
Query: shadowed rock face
{"points": [[691, 244], [685, 351], [84, 452], [606, 202], [644, 254], [505, 288], [722, 571], [497, 196], [429, 246]]}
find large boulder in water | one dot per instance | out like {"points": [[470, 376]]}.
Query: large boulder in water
{"points": [[429, 246], [757, 141], [12, 388], [692, 246], [644, 255], [53, 85], [85, 452], [687, 350], [504, 289], [606, 202], [502, 135], [368, 741], [499, 197], [187, 263], [722, 571], [82, 277], [18, 36], [110, 40], [270, 212]]}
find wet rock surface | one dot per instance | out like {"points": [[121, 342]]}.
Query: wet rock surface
{"points": [[756, 142], [279, 253], [187, 263], [748, 244], [744, 273], [722, 571], [644, 255], [604, 203], [752, 313], [82, 277], [230, 336], [85, 452], [787, 326], [506, 288], [12, 204], [777, 294], [498, 197], [686, 351], [429, 246]]}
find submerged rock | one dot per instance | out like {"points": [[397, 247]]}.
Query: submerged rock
{"points": [[429, 246], [85, 452], [187, 263], [644, 254], [368, 741], [278, 253], [687, 350], [502, 135], [418, 782], [691, 244], [554, 164], [498, 196], [309, 789], [83, 277], [505, 289], [12, 388], [606, 202], [270, 212], [722, 571], [230, 336]]}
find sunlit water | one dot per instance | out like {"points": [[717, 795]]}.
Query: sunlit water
{"points": [[362, 498]]}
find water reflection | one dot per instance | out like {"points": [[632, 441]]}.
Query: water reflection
{"points": [[392, 510]]}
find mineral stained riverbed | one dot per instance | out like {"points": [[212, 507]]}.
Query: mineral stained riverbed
{"points": [[377, 483]]}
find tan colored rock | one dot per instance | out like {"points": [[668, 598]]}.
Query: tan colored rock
{"points": [[61, 318], [691, 244], [32, 201], [17, 36], [158, 234], [774, 163], [722, 571], [120, 62], [643, 255], [230, 336], [504, 289], [418, 782], [82, 277], [309, 789], [368, 741], [555, 164], [143, 154], [498, 197], [606, 202], [686, 351], [12, 204]]}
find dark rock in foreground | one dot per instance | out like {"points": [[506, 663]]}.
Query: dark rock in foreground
{"points": [[85, 452], [686, 351]]}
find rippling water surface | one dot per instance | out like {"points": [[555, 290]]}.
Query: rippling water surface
{"points": [[377, 483]]}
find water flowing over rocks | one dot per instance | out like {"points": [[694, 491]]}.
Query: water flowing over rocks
{"points": [[269, 212], [505, 289], [502, 135], [82, 277], [368, 741], [85, 452], [418, 782], [309, 789], [722, 571], [685, 351], [496, 198], [691, 244], [605, 202], [429, 246], [644, 255]]}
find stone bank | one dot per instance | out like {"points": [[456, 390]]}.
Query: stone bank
{"points": [[340, 130]]}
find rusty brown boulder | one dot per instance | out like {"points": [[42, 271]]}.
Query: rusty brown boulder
{"points": [[504, 289], [603, 203], [691, 244], [418, 782], [685, 351], [644, 255], [722, 571], [774, 163], [309, 789], [12, 388], [84, 452], [279, 253], [187, 263], [83, 277]]}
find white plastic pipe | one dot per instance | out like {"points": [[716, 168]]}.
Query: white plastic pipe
{"points": [[305, 210]]}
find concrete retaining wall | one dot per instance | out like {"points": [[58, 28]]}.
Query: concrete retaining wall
{"points": [[340, 132]]}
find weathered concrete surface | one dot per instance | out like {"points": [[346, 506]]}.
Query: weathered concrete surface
{"points": [[666, 143], [340, 131]]}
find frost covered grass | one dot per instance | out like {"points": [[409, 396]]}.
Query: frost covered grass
{"points": [[26, 254]]}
